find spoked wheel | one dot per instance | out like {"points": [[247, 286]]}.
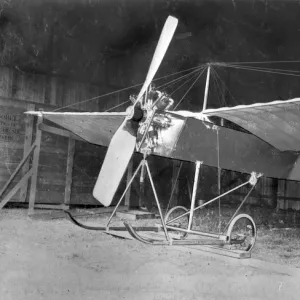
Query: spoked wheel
{"points": [[180, 223], [242, 233]]}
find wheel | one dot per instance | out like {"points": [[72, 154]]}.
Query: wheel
{"points": [[241, 234], [180, 223]]}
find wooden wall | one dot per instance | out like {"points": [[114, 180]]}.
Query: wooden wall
{"points": [[12, 140], [18, 91]]}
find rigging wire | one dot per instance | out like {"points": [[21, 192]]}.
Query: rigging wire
{"points": [[264, 62], [266, 69], [225, 86], [183, 84], [236, 65], [174, 187], [259, 70], [189, 88], [117, 105], [179, 78], [124, 89], [167, 84], [219, 87]]}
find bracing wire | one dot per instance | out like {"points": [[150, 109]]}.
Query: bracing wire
{"points": [[266, 69], [117, 105], [218, 86], [261, 70], [189, 88], [223, 83], [264, 62], [123, 89], [190, 79], [173, 188], [97, 97], [236, 65], [165, 85]]}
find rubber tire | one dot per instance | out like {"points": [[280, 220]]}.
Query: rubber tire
{"points": [[184, 234]]}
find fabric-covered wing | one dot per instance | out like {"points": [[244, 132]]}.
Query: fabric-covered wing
{"points": [[95, 128], [277, 122]]}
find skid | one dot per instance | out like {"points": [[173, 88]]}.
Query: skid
{"points": [[107, 229], [155, 241], [206, 245]]}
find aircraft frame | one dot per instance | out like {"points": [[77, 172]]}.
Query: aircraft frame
{"points": [[243, 240], [262, 146]]}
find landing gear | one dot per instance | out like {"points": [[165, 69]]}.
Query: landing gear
{"points": [[241, 233], [180, 223], [238, 234]]}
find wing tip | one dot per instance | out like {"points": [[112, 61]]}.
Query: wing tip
{"points": [[33, 112]]}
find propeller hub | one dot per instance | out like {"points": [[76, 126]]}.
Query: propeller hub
{"points": [[135, 113], [130, 112]]}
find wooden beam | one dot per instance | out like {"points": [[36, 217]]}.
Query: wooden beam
{"points": [[16, 188], [60, 132], [13, 175], [51, 206], [27, 144], [69, 172], [274, 186], [35, 165], [129, 175]]}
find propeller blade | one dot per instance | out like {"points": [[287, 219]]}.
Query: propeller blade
{"points": [[123, 143], [119, 153], [161, 48], [117, 158]]}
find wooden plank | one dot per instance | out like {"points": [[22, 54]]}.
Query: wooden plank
{"points": [[84, 199], [56, 161], [70, 161], [52, 206], [16, 188], [35, 165], [129, 175], [13, 175], [54, 178], [48, 197], [4, 101], [27, 144]]}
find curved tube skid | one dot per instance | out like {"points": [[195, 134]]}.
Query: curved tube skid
{"points": [[151, 241], [72, 219], [103, 228]]}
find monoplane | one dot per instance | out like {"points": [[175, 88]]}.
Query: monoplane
{"points": [[265, 143]]}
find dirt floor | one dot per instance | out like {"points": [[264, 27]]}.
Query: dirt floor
{"points": [[54, 259]]}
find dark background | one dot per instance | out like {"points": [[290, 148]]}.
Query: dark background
{"points": [[111, 43]]}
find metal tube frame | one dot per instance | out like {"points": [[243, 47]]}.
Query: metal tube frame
{"points": [[197, 170], [193, 208], [123, 195], [143, 164]]}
